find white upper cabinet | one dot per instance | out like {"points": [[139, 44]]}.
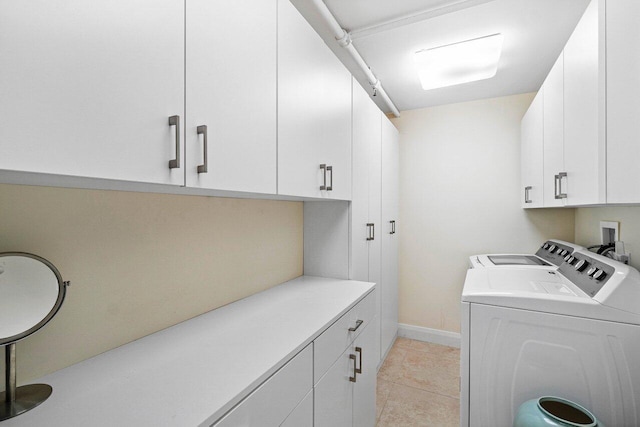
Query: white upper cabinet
{"points": [[314, 112], [87, 88], [584, 112], [531, 136], [231, 95], [623, 101], [553, 163]]}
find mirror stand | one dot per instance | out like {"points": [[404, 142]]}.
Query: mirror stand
{"points": [[18, 400]]}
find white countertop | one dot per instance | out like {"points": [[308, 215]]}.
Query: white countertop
{"points": [[192, 373]]}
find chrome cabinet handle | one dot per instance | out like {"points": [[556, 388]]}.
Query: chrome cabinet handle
{"points": [[330, 169], [323, 167], [558, 185], [355, 370], [358, 324], [359, 351], [202, 130], [370, 228], [175, 121], [526, 194], [393, 227]]}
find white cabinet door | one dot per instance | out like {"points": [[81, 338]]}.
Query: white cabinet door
{"points": [[314, 112], [582, 111], [531, 137], [553, 123], [623, 101], [364, 389], [333, 394], [87, 88], [365, 204], [272, 402], [388, 236], [231, 89]]}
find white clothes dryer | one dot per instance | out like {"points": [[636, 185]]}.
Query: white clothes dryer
{"points": [[572, 333], [550, 255]]}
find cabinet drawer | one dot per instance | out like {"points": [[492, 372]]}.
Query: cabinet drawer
{"points": [[272, 402], [332, 342], [302, 416]]}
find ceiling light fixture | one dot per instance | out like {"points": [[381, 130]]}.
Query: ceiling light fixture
{"points": [[460, 62]]}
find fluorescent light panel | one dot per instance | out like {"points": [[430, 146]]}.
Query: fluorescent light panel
{"points": [[458, 63]]}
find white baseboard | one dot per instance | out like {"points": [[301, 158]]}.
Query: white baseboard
{"points": [[436, 336]]}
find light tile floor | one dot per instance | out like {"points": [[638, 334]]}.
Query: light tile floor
{"points": [[418, 385]]}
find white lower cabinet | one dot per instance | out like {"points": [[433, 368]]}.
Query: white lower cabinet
{"points": [[247, 364], [334, 393], [346, 395], [302, 415], [272, 402], [342, 361], [345, 381], [364, 389]]}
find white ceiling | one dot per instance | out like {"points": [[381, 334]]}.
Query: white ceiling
{"points": [[387, 33]]}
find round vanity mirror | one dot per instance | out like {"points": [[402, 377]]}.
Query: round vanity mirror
{"points": [[31, 293]]}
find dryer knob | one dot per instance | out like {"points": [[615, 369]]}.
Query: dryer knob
{"points": [[581, 265], [552, 248], [571, 259], [568, 257], [599, 275], [592, 271], [546, 246]]}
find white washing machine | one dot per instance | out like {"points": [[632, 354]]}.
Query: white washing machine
{"points": [[572, 333], [550, 255]]}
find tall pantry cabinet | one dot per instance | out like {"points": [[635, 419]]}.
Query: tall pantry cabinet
{"points": [[365, 211], [389, 236], [374, 209], [358, 240]]}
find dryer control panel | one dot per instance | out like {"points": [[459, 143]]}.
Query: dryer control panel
{"points": [[586, 272]]}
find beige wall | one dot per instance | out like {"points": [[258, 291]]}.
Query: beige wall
{"points": [[141, 262], [588, 227], [459, 196]]}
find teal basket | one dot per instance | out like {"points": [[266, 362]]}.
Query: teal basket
{"points": [[549, 411]]}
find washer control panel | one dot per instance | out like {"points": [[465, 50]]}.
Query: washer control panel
{"points": [[554, 252], [585, 272]]}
